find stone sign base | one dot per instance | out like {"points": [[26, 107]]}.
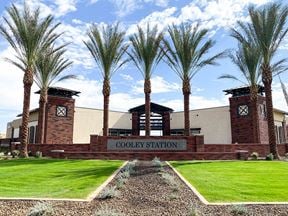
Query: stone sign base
{"points": [[146, 148]]}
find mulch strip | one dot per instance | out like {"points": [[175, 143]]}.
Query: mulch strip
{"points": [[145, 193]]}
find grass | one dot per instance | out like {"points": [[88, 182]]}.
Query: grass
{"points": [[47, 178], [238, 181]]}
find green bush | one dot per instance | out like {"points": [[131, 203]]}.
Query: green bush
{"points": [[254, 156], [270, 157], [193, 212], [41, 209]]}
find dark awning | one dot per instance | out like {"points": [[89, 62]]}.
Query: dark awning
{"points": [[156, 108]]}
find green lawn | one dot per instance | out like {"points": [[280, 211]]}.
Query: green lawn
{"points": [[235, 181], [53, 178]]}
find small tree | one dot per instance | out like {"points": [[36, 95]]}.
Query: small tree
{"points": [[146, 53], [267, 30], [28, 35], [186, 56], [106, 45], [49, 66]]}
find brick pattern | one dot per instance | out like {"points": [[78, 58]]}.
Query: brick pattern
{"points": [[150, 155], [46, 148], [59, 129], [242, 126], [261, 149]]}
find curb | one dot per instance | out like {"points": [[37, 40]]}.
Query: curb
{"points": [[89, 198], [204, 201]]}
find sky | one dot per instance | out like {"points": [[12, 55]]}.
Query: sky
{"points": [[76, 16]]}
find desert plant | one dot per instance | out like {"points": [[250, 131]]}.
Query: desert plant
{"points": [[270, 157], [173, 196], [254, 156], [170, 180], [38, 154], [108, 192], [106, 211], [286, 155], [239, 210], [41, 209], [157, 162], [15, 153], [193, 211]]}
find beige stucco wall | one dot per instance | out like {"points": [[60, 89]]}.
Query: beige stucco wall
{"points": [[214, 123], [33, 119], [90, 121]]}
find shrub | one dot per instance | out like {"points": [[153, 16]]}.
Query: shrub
{"points": [[170, 180], [254, 156], [15, 153], [270, 157], [106, 211], [38, 154], [239, 210], [286, 155], [157, 162], [108, 192], [2, 154], [173, 196], [120, 182], [41, 209], [193, 212]]}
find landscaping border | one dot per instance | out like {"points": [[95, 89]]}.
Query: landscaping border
{"points": [[206, 202], [89, 198]]}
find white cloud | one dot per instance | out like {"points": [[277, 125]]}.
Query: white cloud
{"points": [[158, 85], [278, 96], [212, 15], [126, 77], [126, 7], [57, 8]]}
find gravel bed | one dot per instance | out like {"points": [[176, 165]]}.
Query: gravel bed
{"points": [[146, 192]]}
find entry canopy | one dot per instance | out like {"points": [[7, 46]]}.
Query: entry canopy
{"points": [[156, 108], [62, 92], [244, 90]]}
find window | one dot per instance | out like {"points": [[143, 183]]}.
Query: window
{"points": [[61, 111], [262, 110], [243, 110], [32, 134]]}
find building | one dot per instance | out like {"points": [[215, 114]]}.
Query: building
{"points": [[67, 124]]}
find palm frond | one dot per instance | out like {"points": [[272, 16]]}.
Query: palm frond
{"points": [[106, 45]]}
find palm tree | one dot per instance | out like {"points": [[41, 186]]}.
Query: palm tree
{"points": [[146, 53], [28, 35], [106, 45], [266, 30], [248, 60], [186, 56], [49, 66]]}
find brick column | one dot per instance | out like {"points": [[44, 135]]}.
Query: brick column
{"points": [[166, 123], [135, 124]]}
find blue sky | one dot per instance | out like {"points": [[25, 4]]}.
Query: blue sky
{"points": [[127, 85]]}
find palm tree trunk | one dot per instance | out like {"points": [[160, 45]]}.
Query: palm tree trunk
{"points": [[255, 115], [27, 81], [42, 116], [147, 91], [267, 81], [106, 94], [186, 92]]}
